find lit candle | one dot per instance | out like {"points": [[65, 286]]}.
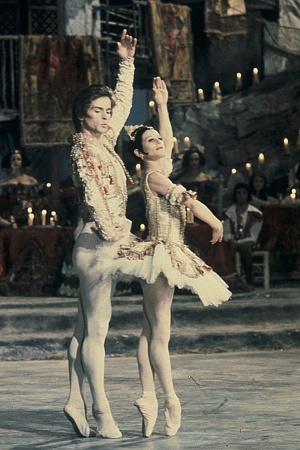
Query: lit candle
{"points": [[138, 170], [261, 160], [175, 142], [30, 219], [44, 213], [286, 145], [54, 215], [52, 221], [239, 83], [48, 185], [200, 95], [255, 77], [189, 216], [217, 87], [248, 167], [216, 91], [293, 196], [142, 227], [29, 210], [233, 171], [186, 142], [152, 107]]}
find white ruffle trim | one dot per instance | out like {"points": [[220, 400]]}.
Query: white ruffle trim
{"points": [[209, 287]]}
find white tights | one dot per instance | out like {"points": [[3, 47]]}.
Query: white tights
{"points": [[153, 350], [86, 352]]}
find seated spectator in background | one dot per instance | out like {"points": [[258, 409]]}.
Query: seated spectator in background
{"points": [[242, 227], [193, 164], [18, 191], [259, 191], [195, 178]]}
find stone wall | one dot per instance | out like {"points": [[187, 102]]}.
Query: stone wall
{"points": [[236, 128]]}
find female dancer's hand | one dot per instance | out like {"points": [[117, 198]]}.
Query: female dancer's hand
{"points": [[160, 91], [126, 46], [217, 235]]}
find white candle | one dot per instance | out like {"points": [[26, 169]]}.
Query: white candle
{"points": [[54, 216], [152, 107], [248, 167], [30, 219], [239, 83], [142, 227], [200, 95], [189, 216], [217, 87], [44, 213], [261, 160], [186, 142], [293, 196], [48, 185], [233, 171], [175, 142], [52, 221], [255, 77], [138, 170], [286, 145]]}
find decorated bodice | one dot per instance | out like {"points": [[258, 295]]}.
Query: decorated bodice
{"points": [[166, 221]]}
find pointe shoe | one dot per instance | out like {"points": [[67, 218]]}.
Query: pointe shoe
{"points": [[106, 426], [148, 408], [172, 416], [78, 420]]}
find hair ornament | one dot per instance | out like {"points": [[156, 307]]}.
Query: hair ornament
{"points": [[131, 130]]}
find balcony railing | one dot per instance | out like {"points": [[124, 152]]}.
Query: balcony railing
{"points": [[9, 99]]}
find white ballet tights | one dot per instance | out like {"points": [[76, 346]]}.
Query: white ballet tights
{"points": [[153, 351], [86, 353]]}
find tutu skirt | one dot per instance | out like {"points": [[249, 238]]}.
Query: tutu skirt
{"points": [[147, 260]]}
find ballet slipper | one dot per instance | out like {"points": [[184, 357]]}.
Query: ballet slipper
{"points": [[106, 426], [148, 408], [77, 418], [172, 416]]}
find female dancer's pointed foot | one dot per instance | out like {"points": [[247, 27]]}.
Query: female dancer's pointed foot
{"points": [[106, 426], [77, 418], [148, 408], [172, 416]]}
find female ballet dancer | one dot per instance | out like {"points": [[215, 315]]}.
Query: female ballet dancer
{"points": [[163, 261]]}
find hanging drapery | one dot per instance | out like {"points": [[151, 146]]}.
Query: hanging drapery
{"points": [[225, 17], [173, 50], [52, 70]]}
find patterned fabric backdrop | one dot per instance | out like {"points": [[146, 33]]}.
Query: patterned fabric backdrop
{"points": [[225, 17], [173, 50], [52, 70]]}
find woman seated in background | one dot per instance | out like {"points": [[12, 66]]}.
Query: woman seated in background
{"points": [[18, 191], [194, 177], [259, 191]]}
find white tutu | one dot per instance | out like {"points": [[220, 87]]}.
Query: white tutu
{"points": [[147, 260]]}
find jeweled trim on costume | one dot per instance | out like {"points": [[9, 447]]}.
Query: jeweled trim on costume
{"points": [[175, 194], [193, 269], [85, 168]]}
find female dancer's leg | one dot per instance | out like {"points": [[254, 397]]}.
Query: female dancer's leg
{"points": [[153, 357]]}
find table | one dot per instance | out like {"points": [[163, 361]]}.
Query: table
{"points": [[31, 259], [281, 236]]}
